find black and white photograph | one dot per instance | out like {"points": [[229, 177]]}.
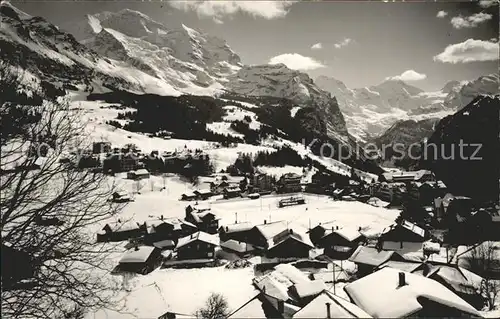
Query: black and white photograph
{"points": [[229, 159]]}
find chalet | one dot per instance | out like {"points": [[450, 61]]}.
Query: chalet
{"points": [[166, 244], [138, 174], [368, 259], [203, 194], [406, 177], [289, 244], [341, 243], [204, 220], [238, 231], [231, 192], [121, 197], [327, 305], [142, 260], [241, 249], [414, 295], [403, 237], [167, 228], [290, 183], [188, 196], [219, 186], [250, 309], [119, 231], [101, 147], [317, 232], [197, 207], [119, 162], [261, 236], [261, 182], [199, 245]]}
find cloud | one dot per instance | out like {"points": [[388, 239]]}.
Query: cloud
{"points": [[219, 9], [317, 46], [343, 43], [442, 14], [469, 51], [470, 21], [409, 75], [487, 3], [296, 61]]}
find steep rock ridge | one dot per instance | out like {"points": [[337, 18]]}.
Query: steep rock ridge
{"points": [[458, 98], [474, 171], [279, 81]]}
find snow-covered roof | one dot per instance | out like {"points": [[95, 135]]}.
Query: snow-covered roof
{"points": [[141, 171], [139, 255], [270, 286], [339, 308], [371, 256], [199, 236], [280, 239], [379, 294], [203, 191], [233, 228], [348, 233], [164, 244], [237, 246], [123, 226], [408, 226], [402, 265], [270, 230], [309, 288], [292, 273]]}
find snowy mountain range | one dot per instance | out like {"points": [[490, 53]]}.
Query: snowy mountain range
{"points": [[371, 110], [128, 50]]}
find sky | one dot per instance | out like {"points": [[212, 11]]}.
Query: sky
{"points": [[360, 43]]}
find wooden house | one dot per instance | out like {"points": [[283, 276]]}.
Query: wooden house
{"points": [[119, 231], [204, 220], [261, 236], [368, 259], [341, 243], [138, 174], [318, 231], [189, 196], [239, 231], [238, 248], [167, 228], [415, 296], [232, 192], [203, 194], [141, 259], [289, 244], [290, 183], [326, 305], [403, 237], [199, 245]]}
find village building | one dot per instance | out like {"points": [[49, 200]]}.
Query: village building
{"points": [[341, 243], [253, 308], [199, 245], [138, 174], [291, 201], [141, 260], [218, 186], [167, 228], [239, 231], [367, 259], [415, 296], [402, 237], [406, 177], [231, 192], [261, 183], [261, 236], [204, 220], [203, 194], [318, 231], [327, 305], [121, 197], [289, 244], [166, 244], [290, 183], [189, 196], [238, 248], [119, 231]]}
